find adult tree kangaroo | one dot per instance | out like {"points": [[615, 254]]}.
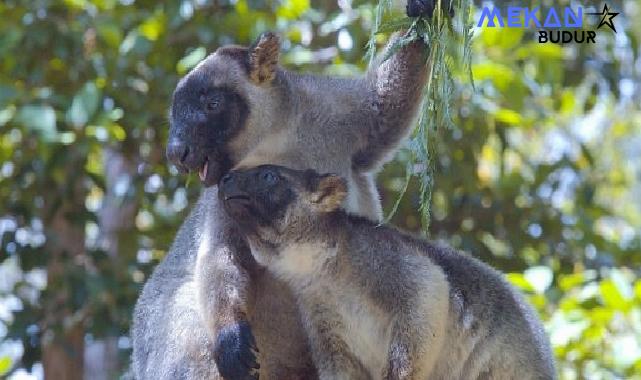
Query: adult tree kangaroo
{"points": [[209, 309]]}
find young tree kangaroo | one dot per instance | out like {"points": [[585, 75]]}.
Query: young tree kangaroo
{"points": [[208, 301], [376, 303]]}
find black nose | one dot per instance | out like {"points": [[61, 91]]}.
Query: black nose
{"points": [[177, 151], [233, 186]]}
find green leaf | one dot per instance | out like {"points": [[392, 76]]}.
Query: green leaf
{"points": [[190, 60], [637, 289], [110, 33], [153, 27], [612, 295], [39, 118], [293, 9], [506, 38], [569, 281], [497, 246], [77, 4], [545, 52], [84, 105], [5, 365], [502, 75], [6, 114], [519, 280], [508, 116]]}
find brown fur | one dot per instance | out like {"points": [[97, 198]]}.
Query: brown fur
{"points": [[330, 193], [378, 303], [263, 59]]}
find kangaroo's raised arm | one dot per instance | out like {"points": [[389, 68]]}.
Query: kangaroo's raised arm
{"points": [[397, 84]]}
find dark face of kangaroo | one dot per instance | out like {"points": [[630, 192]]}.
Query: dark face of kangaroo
{"points": [[204, 119], [275, 204], [257, 198], [212, 106]]}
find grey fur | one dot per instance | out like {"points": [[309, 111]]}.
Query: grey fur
{"points": [[378, 303], [208, 279]]}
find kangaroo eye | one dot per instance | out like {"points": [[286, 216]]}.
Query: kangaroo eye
{"points": [[213, 105], [212, 102], [270, 178]]}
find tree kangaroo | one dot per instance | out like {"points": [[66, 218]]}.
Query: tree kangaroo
{"points": [[377, 303], [209, 309]]}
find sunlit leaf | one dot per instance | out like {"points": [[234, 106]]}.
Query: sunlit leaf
{"points": [[84, 105], [508, 117], [505, 38], [569, 281], [111, 33], [612, 296], [293, 9], [546, 51], [117, 132], [154, 26], [601, 315], [519, 280], [190, 60], [77, 4], [500, 74], [6, 114], [5, 365], [39, 118], [568, 102]]}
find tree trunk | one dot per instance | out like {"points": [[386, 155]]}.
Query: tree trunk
{"points": [[63, 330], [116, 216], [62, 358]]}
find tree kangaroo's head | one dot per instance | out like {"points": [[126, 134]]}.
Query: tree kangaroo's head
{"points": [[222, 107], [276, 205]]}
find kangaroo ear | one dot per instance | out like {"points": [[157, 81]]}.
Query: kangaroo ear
{"points": [[263, 58], [329, 193]]}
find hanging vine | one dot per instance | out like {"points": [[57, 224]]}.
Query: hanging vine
{"points": [[448, 42]]}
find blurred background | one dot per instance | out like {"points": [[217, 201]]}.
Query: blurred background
{"points": [[540, 176]]}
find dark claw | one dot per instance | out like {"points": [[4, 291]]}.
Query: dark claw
{"points": [[425, 8], [235, 353], [416, 8]]}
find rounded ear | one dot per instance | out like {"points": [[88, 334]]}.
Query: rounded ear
{"points": [[329, 193], [263, 58]]}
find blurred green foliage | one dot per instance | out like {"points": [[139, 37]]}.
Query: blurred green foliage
{"points": [[539, 175]]}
